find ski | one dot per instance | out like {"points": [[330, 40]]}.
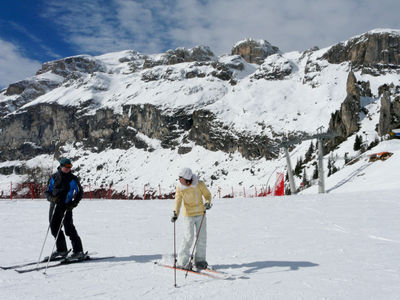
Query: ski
{"points": [[215, 272], [203, 272], [220, 274], [64, 263], [44, 260], [225, 275]]}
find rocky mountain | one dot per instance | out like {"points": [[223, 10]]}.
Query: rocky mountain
{"points": [[129, 118], [254, 51]]}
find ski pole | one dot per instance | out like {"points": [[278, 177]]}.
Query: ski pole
{"points": [[195, 243], [58, 232], [45, 238], [175, 254]]}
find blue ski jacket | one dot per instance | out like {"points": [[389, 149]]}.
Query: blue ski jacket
{"points": [[64, 186]]}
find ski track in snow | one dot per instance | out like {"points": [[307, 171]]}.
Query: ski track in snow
{"points": [[383, 239]]}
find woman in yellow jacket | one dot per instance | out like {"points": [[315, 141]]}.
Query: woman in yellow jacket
{"points": [[191, 191]]}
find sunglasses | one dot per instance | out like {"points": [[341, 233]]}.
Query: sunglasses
{"points": [[68, 166]]}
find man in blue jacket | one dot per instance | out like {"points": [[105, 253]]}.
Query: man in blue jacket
{"points": [[64, 193]]}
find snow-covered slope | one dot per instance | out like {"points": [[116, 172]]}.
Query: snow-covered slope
{"points": [[334, 246], [289, 93], [250, 105]]}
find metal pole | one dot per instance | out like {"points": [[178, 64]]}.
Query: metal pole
{"points": [[321, 177], [195, 243], [175, 254], [58, 232], [290, 173], [45, 238]]}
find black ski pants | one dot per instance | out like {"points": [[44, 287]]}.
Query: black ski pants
{"points": [[70, 231]]}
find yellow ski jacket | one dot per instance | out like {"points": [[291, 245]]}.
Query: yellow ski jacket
{"points": [[192, 197]]}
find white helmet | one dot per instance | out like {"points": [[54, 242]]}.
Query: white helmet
{"points": [[186, 173]]}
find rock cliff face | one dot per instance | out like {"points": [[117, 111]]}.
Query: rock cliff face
{"points": [[274, 69], [25, 91], [213, 135], [345, 121], [48, 125], [390, 109], [373, 53], [64, 67], [378, 50], [253, 51], [180, 55]]}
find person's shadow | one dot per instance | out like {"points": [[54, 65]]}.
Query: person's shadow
{"points": [[126, 259], [258, 265], [136, 258]]}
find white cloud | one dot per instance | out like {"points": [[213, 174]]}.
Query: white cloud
{"points": [[288, 24], [14, 66], [94, 27], [152, 26]]}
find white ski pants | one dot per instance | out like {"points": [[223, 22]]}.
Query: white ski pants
{"points": [[191, 227]]}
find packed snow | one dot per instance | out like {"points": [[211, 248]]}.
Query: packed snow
{"points": [[321, 246], [344, 244]]}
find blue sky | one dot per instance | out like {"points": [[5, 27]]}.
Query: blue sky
{"points": [[35, 31]]}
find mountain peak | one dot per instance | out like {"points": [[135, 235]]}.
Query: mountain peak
{"points": [[375, 47], [254, 51], [383, 31]]}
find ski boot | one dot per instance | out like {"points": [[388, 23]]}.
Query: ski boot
{"points": [[77, 256], [58, 255], [201, 265]]}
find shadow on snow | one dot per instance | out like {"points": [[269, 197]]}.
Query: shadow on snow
{"points": [[136, 258], [258, 265]]}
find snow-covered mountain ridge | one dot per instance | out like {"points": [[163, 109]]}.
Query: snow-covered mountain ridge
{"points": [[126, 117]]}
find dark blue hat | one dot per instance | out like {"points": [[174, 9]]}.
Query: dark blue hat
{"points": [[65, 162]]}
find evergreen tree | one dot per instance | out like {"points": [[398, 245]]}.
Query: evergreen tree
{"points": [[297, 169], [334, 169], [329, 166], [357, 143], [315, 174], [309, 153], [346, 158], [304, 178], [288, 191], [373, 144]]}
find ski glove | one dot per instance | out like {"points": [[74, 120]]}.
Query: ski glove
{"points": [[207, 205], [54, 199], [71, 205], [174, 217]]}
